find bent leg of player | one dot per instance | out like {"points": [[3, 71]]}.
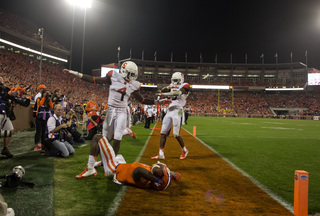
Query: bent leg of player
{"points": [[94, 151], [177, 120], [108, 157], [165, 129]]}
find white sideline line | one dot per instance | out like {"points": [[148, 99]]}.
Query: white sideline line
{"points": [[112, 210], [255, 181]]}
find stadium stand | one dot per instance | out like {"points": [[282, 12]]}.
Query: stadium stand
{"points": [[22, 26]]}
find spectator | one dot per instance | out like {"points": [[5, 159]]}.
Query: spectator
{"points": [[72, 120], [56, 132], [95, 125], [92, 106], [6, 125], [44, 106], [149, 114]]}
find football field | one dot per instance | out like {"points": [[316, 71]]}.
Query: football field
{"points": [[269, 150]]}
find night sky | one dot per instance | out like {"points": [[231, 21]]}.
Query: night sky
{"points": [[213, 27]]}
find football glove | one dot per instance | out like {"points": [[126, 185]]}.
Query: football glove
{"points": [[176, 176], [77, 74]]}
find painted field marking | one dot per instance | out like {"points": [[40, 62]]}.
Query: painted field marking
{"points": [[281, 201], [273, 122], [244, 123], [282, 128], [112, 210]]}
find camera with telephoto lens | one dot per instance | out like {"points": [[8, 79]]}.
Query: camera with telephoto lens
{"points": [[48, 95], [19, 100]]}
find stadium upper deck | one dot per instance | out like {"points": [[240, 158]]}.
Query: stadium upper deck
{"points": [[21, 32], [235, 74]]}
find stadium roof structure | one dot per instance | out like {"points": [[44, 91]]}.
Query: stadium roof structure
{"points": [[31, 46], [293, 71]]}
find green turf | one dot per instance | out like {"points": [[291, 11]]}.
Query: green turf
{"points": [[270, 150]]}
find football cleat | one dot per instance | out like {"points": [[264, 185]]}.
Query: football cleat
{"points": [[184, 155], [158, 157], [133, 135], [87, 173]]}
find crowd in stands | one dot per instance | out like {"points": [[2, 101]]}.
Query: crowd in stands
{"points": [[23, 26], [21, 70]]}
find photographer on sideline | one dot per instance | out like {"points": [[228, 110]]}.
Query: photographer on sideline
{"points": [[57, 130], [6, 115], [44, 106], [72, 120], [6, 124], [57, 96]]}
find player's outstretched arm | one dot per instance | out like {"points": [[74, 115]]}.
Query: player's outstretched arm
{"points": [[88, 78], [138, 96]]}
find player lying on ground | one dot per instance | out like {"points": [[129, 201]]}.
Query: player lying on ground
{"points": [[137, 174]]}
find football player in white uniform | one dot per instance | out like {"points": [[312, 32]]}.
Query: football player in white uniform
{"points": [[121, 86], [178, 91]]}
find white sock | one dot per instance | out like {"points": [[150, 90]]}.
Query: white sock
{"points": [[91, 162], [161, 152], [184, 149]]}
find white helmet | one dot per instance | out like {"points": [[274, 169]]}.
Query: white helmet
{"points": [[177, 78], [129, 71]]}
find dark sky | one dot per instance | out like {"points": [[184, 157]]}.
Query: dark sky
{"points": [[211, 27]]}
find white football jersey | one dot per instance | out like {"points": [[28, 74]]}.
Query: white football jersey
{"points": [[180, 101], [120, 90]]}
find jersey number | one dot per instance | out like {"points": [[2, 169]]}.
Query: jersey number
{"points": [[122, 91]]}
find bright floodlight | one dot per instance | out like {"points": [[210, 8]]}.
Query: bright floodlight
{"points": [[81, 3], [209, 87]]}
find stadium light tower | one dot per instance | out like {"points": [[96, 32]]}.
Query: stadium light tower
{"points": [[83, 4], [40, 34]]}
